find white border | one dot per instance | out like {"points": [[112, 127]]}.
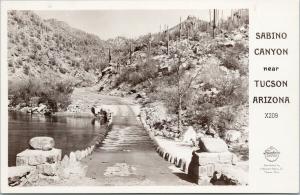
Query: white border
{"points": [[252, 5]]}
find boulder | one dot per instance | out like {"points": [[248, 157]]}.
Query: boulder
{"points": [[232, 135], [25, 109], [34, 110], [42, 143], [190, 136], [238, 37], [229, 43], [41, 108], [209, 144], [211, 132]]}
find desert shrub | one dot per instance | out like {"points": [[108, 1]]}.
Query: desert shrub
{"points": [[143, 72], [26, 70], [10, 63], [56, 95], [239, 47], [203, 27], [135, 78], [86, 67], [169, 95], [62, 70], [21, 91], [225, 118], [205, 115], [230, 62]]}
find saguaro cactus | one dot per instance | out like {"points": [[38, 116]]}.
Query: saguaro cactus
{"points": [[130, 53], [168, 39], [209, 17], [180, 29], [149, 46], [160, 29], [214, 23], [109, 56]]}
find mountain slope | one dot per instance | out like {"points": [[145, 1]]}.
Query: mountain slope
{"points": [[43, 48]]}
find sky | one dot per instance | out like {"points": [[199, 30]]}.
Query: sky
{"points": [[129, 23]]}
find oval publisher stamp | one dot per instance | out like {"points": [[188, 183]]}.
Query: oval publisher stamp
{"points": [[271, 154]]}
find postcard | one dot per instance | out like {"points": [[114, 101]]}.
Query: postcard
{"points": [[150, 96]]}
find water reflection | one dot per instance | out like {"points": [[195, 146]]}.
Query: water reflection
{"points": [[69, 133]]}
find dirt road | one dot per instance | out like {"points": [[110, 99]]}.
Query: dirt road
{"points": [[127, 155]]}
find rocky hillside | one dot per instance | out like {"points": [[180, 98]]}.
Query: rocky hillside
{"points": [[50, 48], [207, 69], [210, 73]]}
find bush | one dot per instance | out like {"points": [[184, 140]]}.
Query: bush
{"points": [[135, 78], [169, 95], [239, 47], [62, 70], [206, 114], [26, 70], [56, 95], [142, 73], [230, 62]]}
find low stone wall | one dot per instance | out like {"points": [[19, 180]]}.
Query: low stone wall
{"points": [[175, 154], [213, 164], [43, 164]]}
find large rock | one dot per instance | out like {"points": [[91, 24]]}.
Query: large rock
{"points": [[209, 144], [25, 109], [232, 135], [211, 132], [37, 157], [238, 37], [42, 108], [42, 143], [190, 136]]}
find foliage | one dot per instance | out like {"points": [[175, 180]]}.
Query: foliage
{"points": [[143, 72], [230, 62], [54, 94], [34, 42]]}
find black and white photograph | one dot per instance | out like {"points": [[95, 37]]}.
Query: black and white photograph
{"points": [[128, 97]]}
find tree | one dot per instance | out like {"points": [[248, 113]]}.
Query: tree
{"points": [[182, 85]]}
